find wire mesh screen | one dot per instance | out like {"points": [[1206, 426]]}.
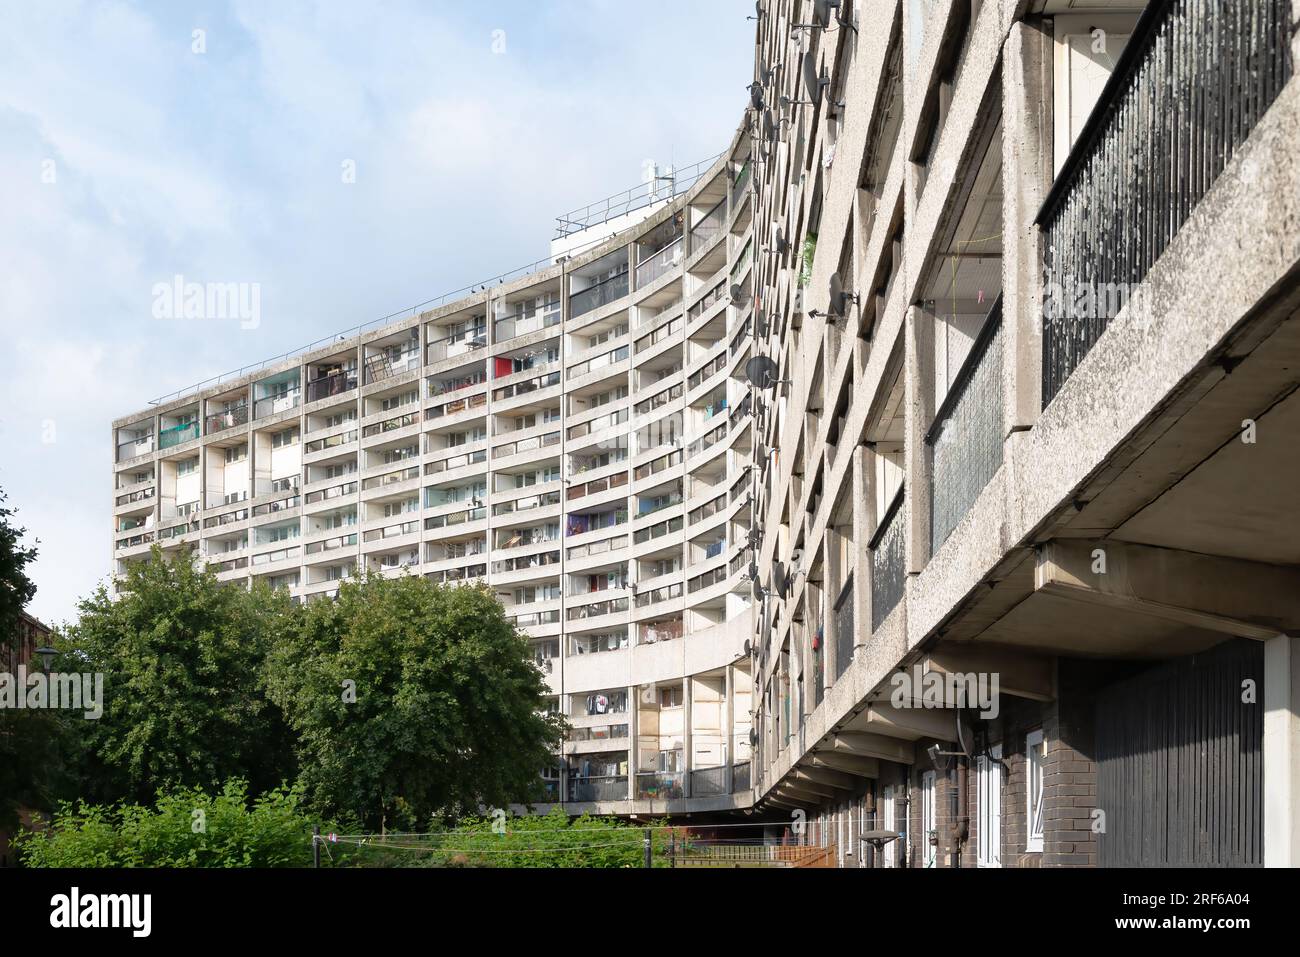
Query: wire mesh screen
{"points": [[965, 441], [888, 565]]}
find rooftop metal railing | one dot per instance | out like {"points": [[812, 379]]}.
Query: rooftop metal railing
{"points": [[629, 200]]}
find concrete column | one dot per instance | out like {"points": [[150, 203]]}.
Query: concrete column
{"points": [[1026, 180], [835, 583], [688, 758], [864, 524], [633, 747], [1281, 751], [729, 727], [918, 371]]}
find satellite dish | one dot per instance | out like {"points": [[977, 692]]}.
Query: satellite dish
{"points": [[753, 571], [822, 11], [756, 96], [839, 298], [767, 77], [748, 649], [738, 294], [753, 737], [812, 81], [779, 583], [762, 372], [769, 128]]}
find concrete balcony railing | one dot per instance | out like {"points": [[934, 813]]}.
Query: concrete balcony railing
{"points": [[1192, 83]]}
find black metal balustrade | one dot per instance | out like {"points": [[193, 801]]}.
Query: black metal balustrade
{"points": [[888, 563], [335, 383], [709, 782], [965, 440], [1195, 78], [611, 788]]}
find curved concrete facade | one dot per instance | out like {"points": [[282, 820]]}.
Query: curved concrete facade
{"points": [[577, 437]]}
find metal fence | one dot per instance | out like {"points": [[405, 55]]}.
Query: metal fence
{"points": [[888, 563], [844, 625], [1195, 78], [965, 441]]}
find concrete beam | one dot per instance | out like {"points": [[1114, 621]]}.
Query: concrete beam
{"points": [[826, 777], [862, 767], [1238, 598], [865, 745], [910, 723], [1019, 674]]}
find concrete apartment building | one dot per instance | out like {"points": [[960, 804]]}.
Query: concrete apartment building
{"points": [[575, 434], [1030, 286], [974, 355]]}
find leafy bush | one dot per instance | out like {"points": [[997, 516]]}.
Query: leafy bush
{"points": [[543, 841], [187, 827]]}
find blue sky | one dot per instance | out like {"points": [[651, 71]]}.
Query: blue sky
{"points": [[126, 157]]}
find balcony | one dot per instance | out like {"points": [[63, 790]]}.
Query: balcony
{"points": [[658, 263], [601, 294], [617, 480], [612, 788], [740, 776], [336, 383], [130, 448], [1192, 83], [710, 227], [888, 563], [392, 362], [659, 785], [709, 782], [274, 404], [964, 442], [611, 606], [220, 421]]}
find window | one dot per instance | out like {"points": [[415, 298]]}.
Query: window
{"points": [[670, 697], [1035, 754], [187, 467], [988, 777], [284, 438], [887, 807], [929, 852], [236, 453]]}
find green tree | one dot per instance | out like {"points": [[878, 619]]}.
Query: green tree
{"points": [[409, 699], [29, 740], [16, 589], [185, 703]]}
